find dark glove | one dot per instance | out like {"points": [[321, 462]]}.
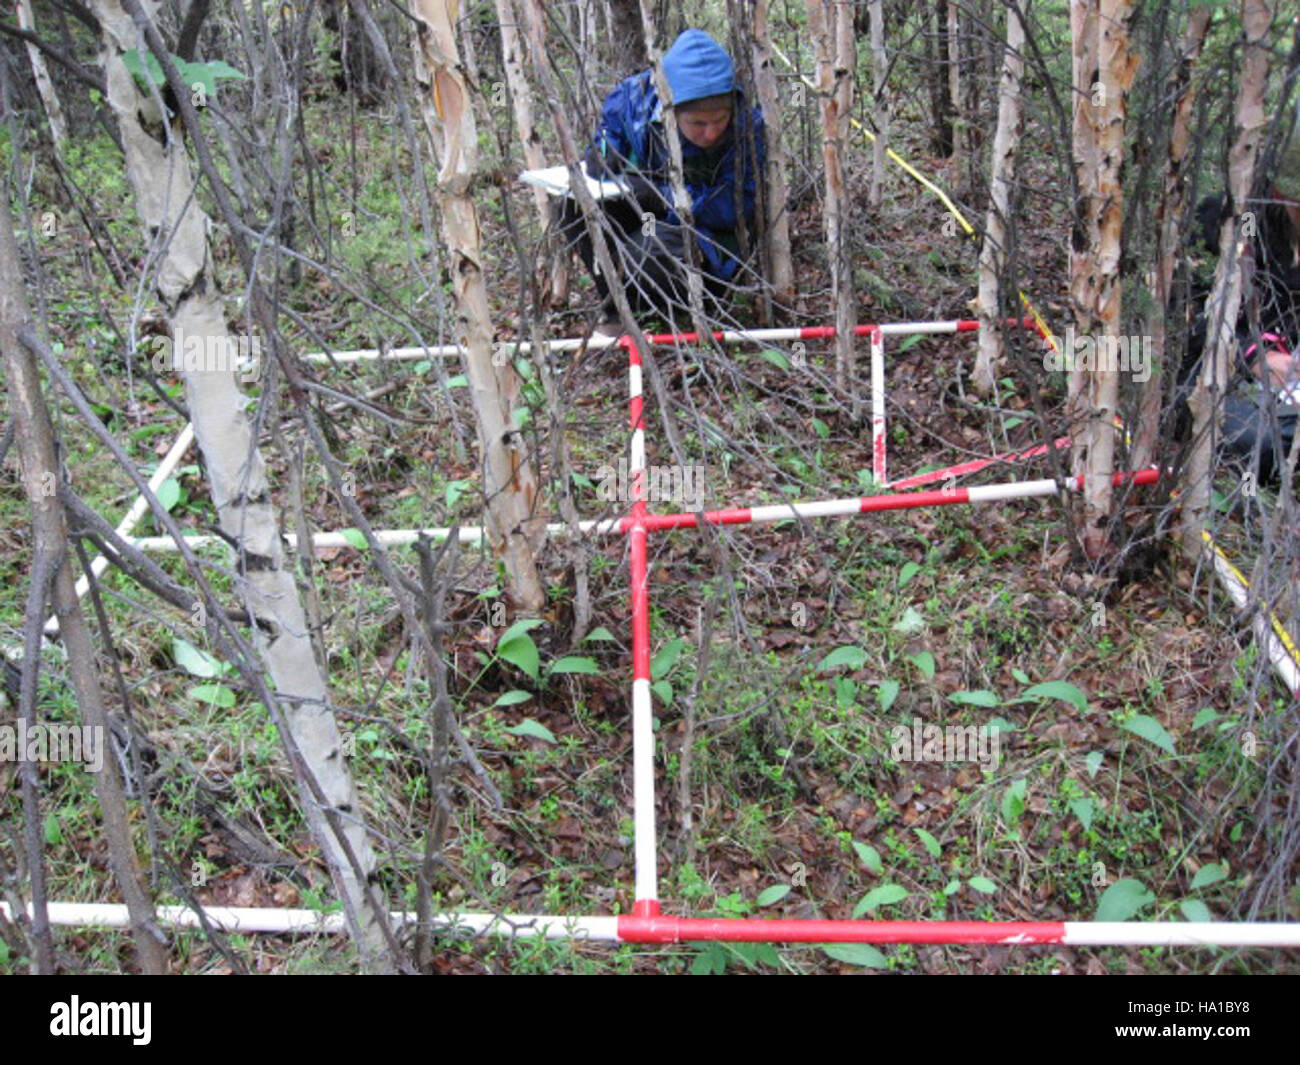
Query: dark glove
{"points": [[647, 195], [599, 166]]}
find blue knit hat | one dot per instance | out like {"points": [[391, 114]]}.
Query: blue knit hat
{"points": [[697, 66]]}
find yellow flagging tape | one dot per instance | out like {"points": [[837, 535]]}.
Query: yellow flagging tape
{"points": [[951, 207], [1278, 627]]}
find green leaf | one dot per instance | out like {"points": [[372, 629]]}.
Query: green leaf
{"points": [[776, 358], [1150, 730], [952, 887], [909, 570], [519, 650], [1123, 899], [1011, 422], [886, 694], [911, 621], [774, 894], [666, 657], [1207, 875], [517, 647], [870, 857], [355, 539], [454, 490], [863, 954], [169, 493], [520, 627], [664, 690], [600, 633], [422, 367], [931, 844], [983, 885], [574, 664], [216, 694], [219, 68], [132, 62], [535, 729], [1020, 676], [457, 381], [1056, 689], [195, 662], [924, 662], [1013, 801], [53, 829], [1204, 717], [512, 697], [980, 697], [1083, 809], [196, 74], [821, 428], [1002, 725], [1195, 910], [1093, 762], [884, 895], [909, 341], [849, 655]]}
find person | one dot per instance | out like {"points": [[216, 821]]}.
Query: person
{"points": [[723, 152]]}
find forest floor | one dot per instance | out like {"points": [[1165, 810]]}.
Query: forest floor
{"points": [[789, 674]]}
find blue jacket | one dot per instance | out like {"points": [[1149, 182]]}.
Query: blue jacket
{"points": [[631, 137]]}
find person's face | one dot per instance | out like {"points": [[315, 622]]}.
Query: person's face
{"points": [[704, 129]]}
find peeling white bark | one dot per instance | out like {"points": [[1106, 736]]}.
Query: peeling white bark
{"points": [[160, 175]]}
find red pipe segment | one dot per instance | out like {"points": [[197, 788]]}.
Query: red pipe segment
{"points": [[662, 929], [975, 465], [866, 505]]}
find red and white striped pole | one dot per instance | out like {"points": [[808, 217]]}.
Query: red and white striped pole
{"points": [[658, 928], [828, 508], [646, 902]]}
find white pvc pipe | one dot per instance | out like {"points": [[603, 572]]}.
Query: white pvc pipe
{"points": [[386, 537], [1181, 934], [137, 509], [273, 920], [643, 792], [600, 341], [879, 447], [994, 493]]}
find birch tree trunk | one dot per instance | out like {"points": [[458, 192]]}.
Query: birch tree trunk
{"points": [[509, 483], [44, 83], [831, 25], [521, 102], [1170, 213], [780, 270], [1096, 288], [158, 169], [993, 254], [34, 434], [1206, 402], [880, 104], [960, 119], [530, 140]]}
